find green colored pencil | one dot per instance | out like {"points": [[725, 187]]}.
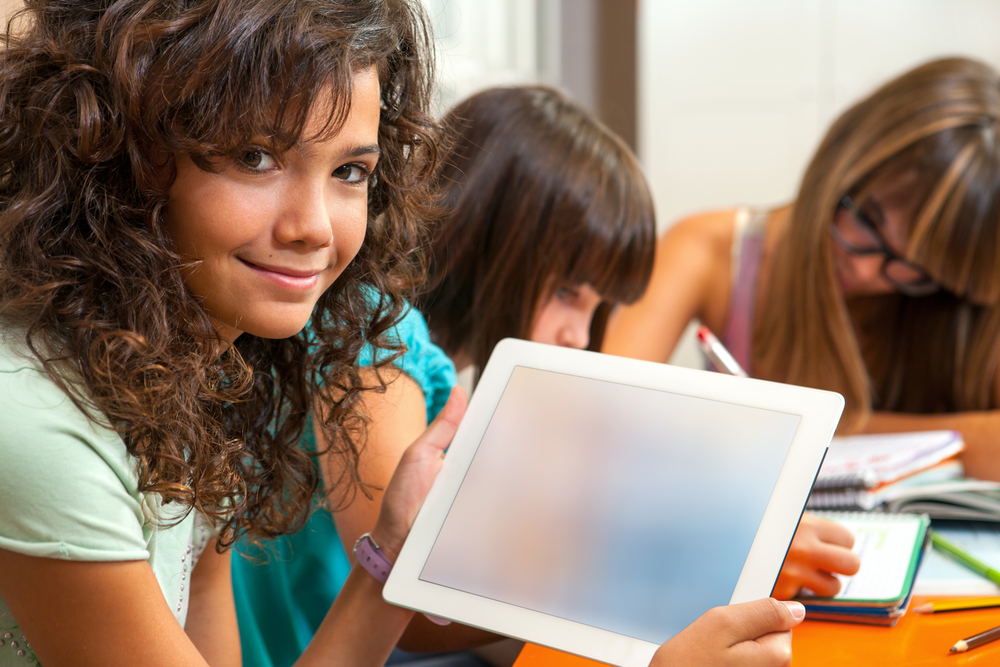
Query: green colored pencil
{"points": [[962, 557]]}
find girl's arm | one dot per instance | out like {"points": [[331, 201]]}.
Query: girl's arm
{"points": [[211, 619], [397, 418], [361, 628], [980, 430], [77, 613]]}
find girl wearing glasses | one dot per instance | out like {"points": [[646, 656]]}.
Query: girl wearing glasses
{"points": [[880, 281]]}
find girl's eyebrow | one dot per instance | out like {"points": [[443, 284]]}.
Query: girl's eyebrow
{"points": [[358, 151], [304, 148]]}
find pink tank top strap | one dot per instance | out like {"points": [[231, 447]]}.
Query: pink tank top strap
{"points": [[749, 228]]}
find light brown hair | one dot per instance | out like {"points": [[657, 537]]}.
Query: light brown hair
{"points": [[937, 124], [537, 193]]}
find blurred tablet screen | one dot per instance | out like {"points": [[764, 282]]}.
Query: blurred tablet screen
{"points": [[620, 507]]}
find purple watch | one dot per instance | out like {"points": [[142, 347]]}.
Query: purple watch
{"points": [[370, 557]]}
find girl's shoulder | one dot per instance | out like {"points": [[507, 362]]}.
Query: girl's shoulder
{"points": [[710, 232], [425, 362], [68, 482], [699, 247]]}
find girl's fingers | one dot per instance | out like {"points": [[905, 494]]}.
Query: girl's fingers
{"points": [[798, 575], [771, 650], [834, 559], [441, 431], [830, 532], [751, 620]]}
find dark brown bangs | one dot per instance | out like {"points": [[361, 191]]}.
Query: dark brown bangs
{"points": [[616, 241], [537, 192]]}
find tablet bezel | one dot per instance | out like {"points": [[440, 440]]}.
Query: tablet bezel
{"points": [[819, 411]]}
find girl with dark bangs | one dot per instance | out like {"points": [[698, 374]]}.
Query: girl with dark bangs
{"points": [[546, 214], [880, 281]]}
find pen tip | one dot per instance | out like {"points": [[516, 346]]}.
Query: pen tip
{"points": [[702, 332]]}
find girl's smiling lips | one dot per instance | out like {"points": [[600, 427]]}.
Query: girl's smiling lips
{"points": [[296, 279]]}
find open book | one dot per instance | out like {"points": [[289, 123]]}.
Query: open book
{"points": [[967, 499]]}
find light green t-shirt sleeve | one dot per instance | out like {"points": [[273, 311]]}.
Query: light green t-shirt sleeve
{"points": [[67, 485]]}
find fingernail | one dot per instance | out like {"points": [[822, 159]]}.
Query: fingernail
{"points": [[797, 609]]}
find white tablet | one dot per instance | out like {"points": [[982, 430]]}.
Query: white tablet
{"points": [[599, 505]]}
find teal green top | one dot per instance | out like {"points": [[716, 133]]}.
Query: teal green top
{"points": [[69, 490], [283, 594]]}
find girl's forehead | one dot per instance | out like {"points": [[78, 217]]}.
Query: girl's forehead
{"points": [[896, 192]]}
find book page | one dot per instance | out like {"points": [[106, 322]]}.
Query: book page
{"points": [[885, 544]]}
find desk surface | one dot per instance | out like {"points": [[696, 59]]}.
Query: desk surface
{"points": [[918, 639]]}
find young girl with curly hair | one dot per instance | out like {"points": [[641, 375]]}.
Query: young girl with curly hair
{"points": [[207, 210]]}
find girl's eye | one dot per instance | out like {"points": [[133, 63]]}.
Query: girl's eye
{"points": [[257, 160], [351, 173], [567, 294]]}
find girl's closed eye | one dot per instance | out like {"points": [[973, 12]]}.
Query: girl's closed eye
{"points": [[568, 295], [354, 173]]}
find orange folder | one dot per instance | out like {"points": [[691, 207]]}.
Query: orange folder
{"points": [[918, 639]]}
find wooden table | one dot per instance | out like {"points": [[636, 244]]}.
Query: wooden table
{"points": [[918, 639]]}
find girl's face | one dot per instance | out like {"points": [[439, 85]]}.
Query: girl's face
{"points": [[273, 232], [564, 319], [880, 223]]}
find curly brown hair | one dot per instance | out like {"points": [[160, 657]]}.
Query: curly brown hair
{"points": [[90, 93]]}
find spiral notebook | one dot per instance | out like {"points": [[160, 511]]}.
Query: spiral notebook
{"points": [[867, 461], [890, 547]]}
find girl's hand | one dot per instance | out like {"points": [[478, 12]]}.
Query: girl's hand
{"points": [[413, 478], [819, 549], [752, 634]]}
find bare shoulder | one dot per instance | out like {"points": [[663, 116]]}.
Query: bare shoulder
{"points": [[697, 251], [708, 234], [690, 279]]}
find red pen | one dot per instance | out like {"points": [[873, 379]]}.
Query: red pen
{"points": [[718, 354]]}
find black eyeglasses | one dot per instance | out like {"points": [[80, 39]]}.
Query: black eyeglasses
{"points": [[859, 235]]}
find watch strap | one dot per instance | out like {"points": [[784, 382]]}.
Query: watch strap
{"points": [[371, 558]]}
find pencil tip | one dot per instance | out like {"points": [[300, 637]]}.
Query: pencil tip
{"points": [[927, 608], [960, 647]]}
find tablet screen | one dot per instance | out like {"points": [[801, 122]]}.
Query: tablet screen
{"points": [[615, 506]]}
